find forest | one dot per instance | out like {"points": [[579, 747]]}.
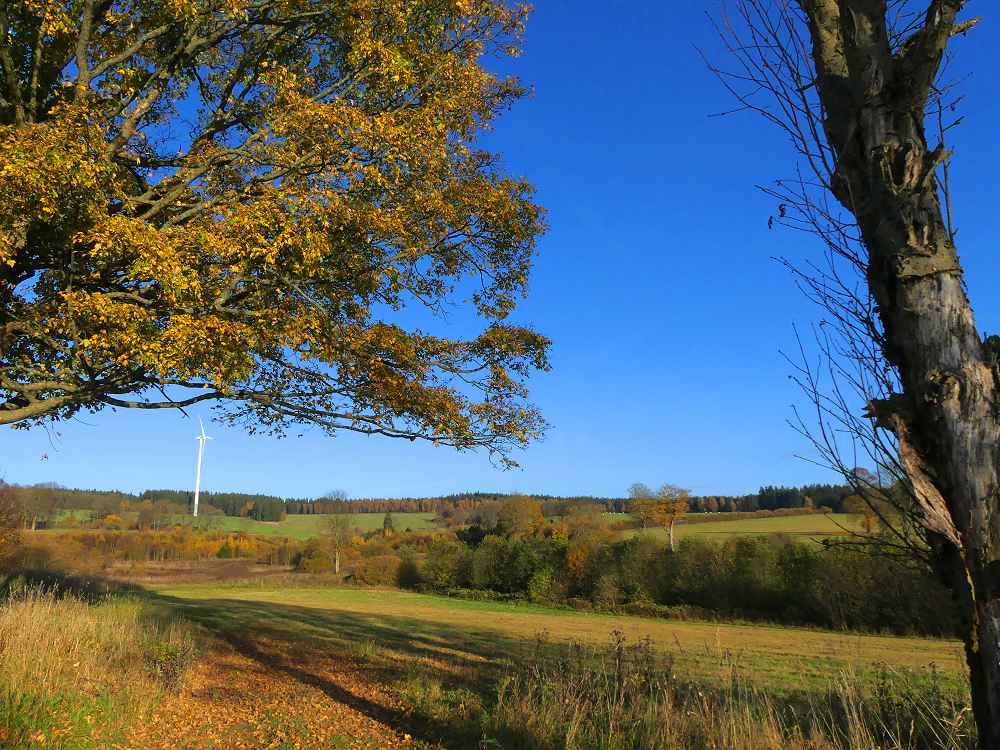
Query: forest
{"points": [[43, 503]]}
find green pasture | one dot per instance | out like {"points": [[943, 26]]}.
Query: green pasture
{"points": [[294, 526], [308, 526], [411, 626], [813, 526]]}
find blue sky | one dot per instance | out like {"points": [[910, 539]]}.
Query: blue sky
{"points": [[655, 282]]}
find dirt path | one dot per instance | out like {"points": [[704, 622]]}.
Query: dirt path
{"points": [[251, 692]]}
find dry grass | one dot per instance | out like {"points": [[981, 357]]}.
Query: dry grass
{"points": [[624, 697], [777, 657], [73, 673]]}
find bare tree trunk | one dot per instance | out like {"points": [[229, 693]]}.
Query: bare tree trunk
{"points": [[946, 423], [670, 534], [336, 562]]}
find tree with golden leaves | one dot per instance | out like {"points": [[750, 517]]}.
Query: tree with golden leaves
{"points": [[10, 520], [671, 502], [520, 516], [250, 202]]}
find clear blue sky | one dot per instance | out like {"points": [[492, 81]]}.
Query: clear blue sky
{"points": [[655, 283]]}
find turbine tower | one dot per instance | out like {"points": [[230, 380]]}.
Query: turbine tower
{"points": [[201, 452]]}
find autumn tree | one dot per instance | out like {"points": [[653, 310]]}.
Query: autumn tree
{"points": [[10, 520], [38, 504], [340, 532], [520, 516], [388, 525], [585, 520], [230, 201], [641, 503], [671, 502], [857, 87], [147, 517]]}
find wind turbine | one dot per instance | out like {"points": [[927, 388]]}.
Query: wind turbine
{"points": [[202, 438]]}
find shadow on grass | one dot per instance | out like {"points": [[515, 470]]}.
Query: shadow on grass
{"points": [[471, 655], [90, 589]]}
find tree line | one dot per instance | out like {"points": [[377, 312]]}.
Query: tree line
{"points": [[41, 503], [578, 560]]}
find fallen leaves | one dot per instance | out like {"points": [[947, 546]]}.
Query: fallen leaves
{"points": [[259, 693]]}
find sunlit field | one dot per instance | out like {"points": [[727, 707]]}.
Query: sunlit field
{"points": [[294, 526], [776, 657], [308, 526], [812, 526]]}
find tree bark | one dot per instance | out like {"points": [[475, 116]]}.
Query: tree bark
{"points": [[946, 419]]}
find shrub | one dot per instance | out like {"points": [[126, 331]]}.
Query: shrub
{"points": [[487, 560], [379, 570], [314, 559], [481, 595], [409, 576], [168, 660], [607, 595], [96, 547], [448, 564], [540, 585], [114, 522], [10, 521]]}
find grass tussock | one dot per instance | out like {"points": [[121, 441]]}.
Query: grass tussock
{"points": [[626, 697], [74, 673]]}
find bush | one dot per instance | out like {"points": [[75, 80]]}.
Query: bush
{"points": [[169, 659], [448, 564], [607, 595], [540, 585], [379, 570], [409, 576], [481, 595], [507, 565], [314, 559], [10, 521], [95, 548]]}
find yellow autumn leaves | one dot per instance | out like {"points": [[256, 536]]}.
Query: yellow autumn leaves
{"points": [[238, 199]]}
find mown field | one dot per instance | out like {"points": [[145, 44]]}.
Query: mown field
{"points": [[308, 526], [295, 527], [432, 627], [285, 663], [813, 526]]}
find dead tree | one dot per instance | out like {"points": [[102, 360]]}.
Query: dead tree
{"points": [[856, 85]]}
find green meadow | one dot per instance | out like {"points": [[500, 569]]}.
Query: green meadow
{"points": [[414, 626]]}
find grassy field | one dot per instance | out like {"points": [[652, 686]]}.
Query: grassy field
{"points": [[307, 526], [432, 627], [76, 675], [814, 526], [296, 526], [277, 664]]}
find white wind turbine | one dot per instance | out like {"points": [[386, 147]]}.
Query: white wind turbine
{"points": [[202, 438]]}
